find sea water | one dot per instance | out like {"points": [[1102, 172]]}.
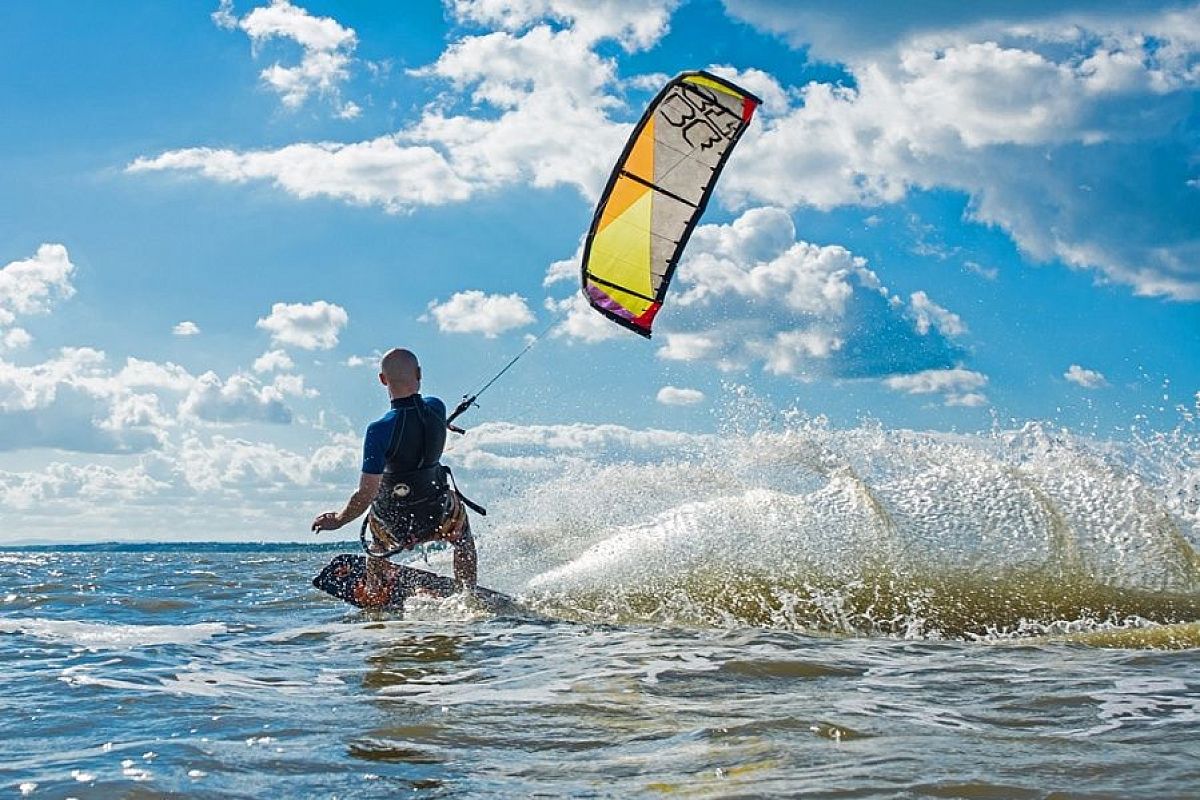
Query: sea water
{"points": [[797, 611]]}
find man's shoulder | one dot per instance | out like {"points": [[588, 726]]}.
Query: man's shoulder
{"points": [[435, 405], [385, 421]]}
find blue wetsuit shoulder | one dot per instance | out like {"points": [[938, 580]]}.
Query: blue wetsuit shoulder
{"points": [[410, 436], [375, 443]]}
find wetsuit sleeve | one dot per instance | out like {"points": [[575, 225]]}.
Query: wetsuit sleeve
{"points": [[375, 449]]}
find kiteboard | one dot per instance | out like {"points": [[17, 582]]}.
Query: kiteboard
{"points": [[345, 577]]}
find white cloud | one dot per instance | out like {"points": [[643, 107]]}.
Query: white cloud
{"points": [[241, 398], [537, 91], [757, 258], [151, 421], [689, 347], [309, 326], [749, 293], [292, 385], [870, 29], [1017, 112], [77, 401], [568, 269], [140, 374], [650, 82], [929, 315], [327, 46], [987, 273], [74, 401], [87, 484], [636, 24], [774, 97], [32, 285], [504, 446], [1087, 378], [1016, 107], [219, 464], [580, 321], [787, 352], [381, 171], [273, 360], [474, 311], [958, 385], [186, 328], [967, 400], [281, 18], [549, 89], [676, 396], [269, 489], [15, 339], [224, 17]]}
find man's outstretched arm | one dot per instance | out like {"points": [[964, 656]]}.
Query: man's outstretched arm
{"points": [[360, 501]]}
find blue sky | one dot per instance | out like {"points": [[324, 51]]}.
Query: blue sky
{"points": [[215, 215]]}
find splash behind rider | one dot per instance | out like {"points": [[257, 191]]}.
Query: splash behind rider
{"points": [[403, 481]]}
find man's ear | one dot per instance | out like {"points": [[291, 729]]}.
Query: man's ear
{"points": [[383, 379], [418, 373]]}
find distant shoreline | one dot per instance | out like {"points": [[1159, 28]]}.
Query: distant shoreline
{"points": [[173, 547]]}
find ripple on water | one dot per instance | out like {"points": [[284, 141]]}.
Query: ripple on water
{"points": [[788, 669], [104, 636]]}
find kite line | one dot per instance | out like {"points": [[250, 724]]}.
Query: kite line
{"points": [[469, 399]]}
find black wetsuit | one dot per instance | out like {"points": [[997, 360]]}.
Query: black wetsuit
{"points": [[405, 447], [408, 438]]}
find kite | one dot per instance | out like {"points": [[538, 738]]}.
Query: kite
{"points": [[657, 193]]}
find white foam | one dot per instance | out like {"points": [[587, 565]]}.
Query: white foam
{"points": [[455, 608], [35, 559], [832, 501], [197, 681], [824, 527], [1150, 702], [102, 636]]}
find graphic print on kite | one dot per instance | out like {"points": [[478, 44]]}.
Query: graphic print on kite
{"points": [[657, 193]]}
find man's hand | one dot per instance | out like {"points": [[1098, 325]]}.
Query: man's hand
{"points": [[360, 501], [329, 521]]}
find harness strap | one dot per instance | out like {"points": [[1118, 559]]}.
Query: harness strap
{"points": [[362, 538], [402, 546], [471, 504], [423, 475]]}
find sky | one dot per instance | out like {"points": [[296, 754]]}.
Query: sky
{"points": [[216, 215]]}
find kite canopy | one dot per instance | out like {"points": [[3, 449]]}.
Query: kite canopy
{"points": [[657, 193]]}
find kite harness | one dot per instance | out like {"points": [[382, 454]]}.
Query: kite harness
{"points": [[397, 521]]}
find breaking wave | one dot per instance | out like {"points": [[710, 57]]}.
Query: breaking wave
{"points": [[869, 531]]}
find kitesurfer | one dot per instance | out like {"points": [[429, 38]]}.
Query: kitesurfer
{"points": [[410, 494]]}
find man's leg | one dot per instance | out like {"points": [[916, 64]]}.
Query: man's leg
{"points": [[375, 580], [465, 563]]}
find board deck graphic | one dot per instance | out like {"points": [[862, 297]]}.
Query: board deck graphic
{"points": [[345, 577]]}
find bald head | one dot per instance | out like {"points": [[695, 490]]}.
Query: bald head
{"points": [[400, 372]]}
